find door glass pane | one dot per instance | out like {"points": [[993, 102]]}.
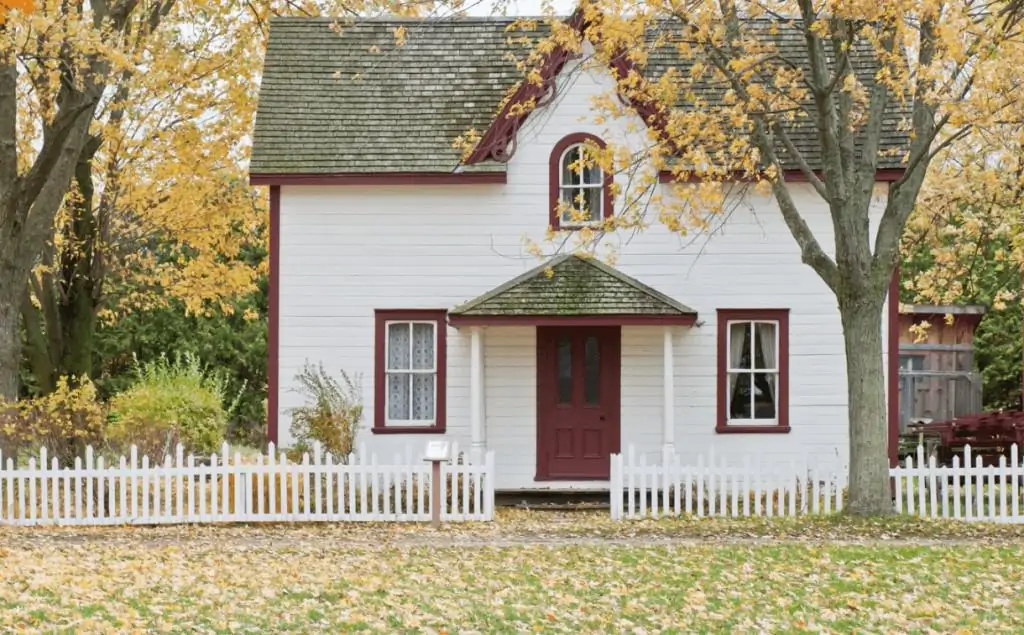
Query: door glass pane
{"points": [[564, 370], [592, 371]]}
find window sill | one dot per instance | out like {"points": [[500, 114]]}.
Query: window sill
{"points": [[740, 429], [408, 430]]}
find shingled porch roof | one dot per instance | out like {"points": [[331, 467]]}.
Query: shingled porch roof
{"points": [[571, 289]]}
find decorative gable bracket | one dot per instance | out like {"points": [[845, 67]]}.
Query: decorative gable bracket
{"points": [[499, 141]]}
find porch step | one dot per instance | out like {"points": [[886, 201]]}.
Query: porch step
{"points": [[553, 500]]}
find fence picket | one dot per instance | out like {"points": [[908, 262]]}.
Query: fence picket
{"points": [[979, 492], [1015, 475], [55, 489], [1002, 486]]}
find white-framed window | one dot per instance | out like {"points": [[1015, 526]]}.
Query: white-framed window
{"points": [[411, 372], [581, 187], [752, 372]]}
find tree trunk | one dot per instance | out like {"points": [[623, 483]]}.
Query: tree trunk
{"points": [[12, 285], [869, 434], [78, 302]]}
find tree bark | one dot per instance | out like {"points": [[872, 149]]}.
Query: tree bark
{"points": [[869, 462], [78, 301], [10, 333]]}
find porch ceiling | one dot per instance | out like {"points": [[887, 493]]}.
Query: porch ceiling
{"points": [[570, 289]]}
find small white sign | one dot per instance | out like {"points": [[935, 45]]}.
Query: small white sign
{"points": [[437, 451]]}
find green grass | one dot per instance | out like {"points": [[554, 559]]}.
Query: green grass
{"points": [[336, 579]]}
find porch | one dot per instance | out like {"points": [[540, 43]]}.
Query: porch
{"points": [[553, 351]]}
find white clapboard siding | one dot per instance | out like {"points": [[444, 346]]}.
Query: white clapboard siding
{"points": [[965, 490], [226, 488], [713, 486]]}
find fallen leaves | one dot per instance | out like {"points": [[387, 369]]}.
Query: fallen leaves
{"points": [[540, 572]]}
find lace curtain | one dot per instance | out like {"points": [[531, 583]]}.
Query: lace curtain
{"points": [[411, 372]]}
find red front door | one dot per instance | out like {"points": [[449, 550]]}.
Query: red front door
{"points": [[577, 401]]}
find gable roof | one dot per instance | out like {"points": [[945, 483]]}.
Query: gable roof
{"points": [[577, 286], [329, 104]]}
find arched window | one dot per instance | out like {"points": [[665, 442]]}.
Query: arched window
{"points": [[580, 189]]}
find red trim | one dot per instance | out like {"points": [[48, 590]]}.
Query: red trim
{"points": [[498, 142], [554, 174], [782, 316], [888, 175], [274, 317], [381, 317], [572, 320], [894, 367], [379, 178], [773, 429]]}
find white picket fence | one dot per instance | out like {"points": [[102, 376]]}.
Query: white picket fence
{"points": [[714, 487], [262, 489], [966, 490]]}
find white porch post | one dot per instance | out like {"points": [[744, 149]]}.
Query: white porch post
{"points": [[668, 430], [476, 393]]}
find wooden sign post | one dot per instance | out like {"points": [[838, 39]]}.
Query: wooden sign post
{"points": [[437, 451]]}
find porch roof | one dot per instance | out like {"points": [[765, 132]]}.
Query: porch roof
{"points": [[571, 289]]}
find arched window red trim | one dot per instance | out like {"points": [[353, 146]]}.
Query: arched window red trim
{"points": [[555, 168]]}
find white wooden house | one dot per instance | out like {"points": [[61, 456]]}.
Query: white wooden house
{"points": [[393, 259]]}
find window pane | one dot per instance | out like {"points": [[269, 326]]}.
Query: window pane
{"points": [[739, 345], [739, 395], [398, 346], [571, 166], [570, 202], [764, 395], [591, 204], [564, 370], [398, 397], [592, 371], [423, 346], [423, 397], [765, 345], [592, 174]]}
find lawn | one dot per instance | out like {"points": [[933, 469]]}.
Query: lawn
{"points": [[524, 573]]}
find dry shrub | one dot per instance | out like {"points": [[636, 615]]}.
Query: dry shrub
{"points": [[332, 412], [64, 422]]}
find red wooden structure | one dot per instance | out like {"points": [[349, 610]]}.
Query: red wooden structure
{"points": [[989, 434]]}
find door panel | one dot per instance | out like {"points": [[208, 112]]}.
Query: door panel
{"points": [[578, 371]]}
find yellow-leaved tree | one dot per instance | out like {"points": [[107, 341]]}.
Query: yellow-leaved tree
{"points": [[123, 148], [723, 107]]}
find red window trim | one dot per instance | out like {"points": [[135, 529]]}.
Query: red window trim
{"points": [[782, 317], [381, 318], [555, 170]]}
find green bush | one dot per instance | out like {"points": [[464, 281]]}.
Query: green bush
{"points": [[170, 403]]}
